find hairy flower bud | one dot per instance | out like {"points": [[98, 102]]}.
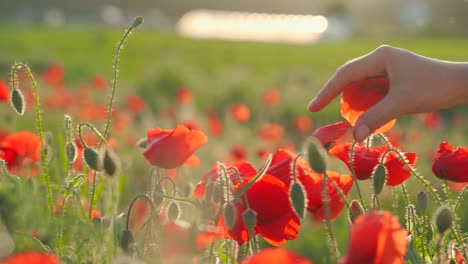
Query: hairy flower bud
{"points": [[443, 219], [298, 199], [380, 175]]}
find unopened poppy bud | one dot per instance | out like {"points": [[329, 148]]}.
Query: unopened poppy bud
{"points": [[91, 157], [17, 101], [250, 218], [380, 175], [298, 199], [229, 215], [71, 151], [173, 212], [315, 157], [138, 21], [142, 143], [111, 162], [421, 203], [443, 218], [355, 210], [127, 241], [217, 193]]}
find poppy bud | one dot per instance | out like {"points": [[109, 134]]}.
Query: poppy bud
{"points": [[380, 174], [443, 219], [111, 162], [17, 101], [355, 210], [173, 212], [91, 157], [421, 203], [250, 218], [229, 215], [298, 199], [217, 193], [71, 151], [316, 158], [138, 21], [127, 242], [142, 143]]}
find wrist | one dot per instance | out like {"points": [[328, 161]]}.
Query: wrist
{"points": [[460, 83]]}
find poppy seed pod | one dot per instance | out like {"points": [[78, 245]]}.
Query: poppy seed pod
{"points": [[355, 210], [71, 151], [380, 175], [91, 157], [111, 162], [298, 199], [421, 203], [250, 218], [229, 215], [17, 101], [127, 241], [315, 158], [173, 211], [443, 219]]}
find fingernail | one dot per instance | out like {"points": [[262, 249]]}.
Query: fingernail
{"points": [[361, 133], [312, 102]]}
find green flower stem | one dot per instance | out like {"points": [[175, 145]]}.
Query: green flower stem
{"points": [[353, 172], [338, 189], [80, 133], [135, 24], [460, 197], [148, 201], [413, 171], [423, 236], [45, 167], [334, 247], [174, 198]]}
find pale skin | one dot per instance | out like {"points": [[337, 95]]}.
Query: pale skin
{"points": [[417, 84]]}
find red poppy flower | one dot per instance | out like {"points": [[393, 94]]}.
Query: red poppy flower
{"points": [[365, 159], [99, 82], [376, 237], [239, 153], [281, 167], [271, 97], [192, 161], [21, 151], [431, 121], [191, 124], [31, 257], [4, 94], [240, 112], [135, 103], [245, 169], [184, 96], [271, 131], [276, 256], [459, 258], [215, 126], [451, 163], [268, 197], [360, 96], [457, 186], [315, 196], [207, 236], [54, 75], [331, 135], [302, 124], [171, 148]]}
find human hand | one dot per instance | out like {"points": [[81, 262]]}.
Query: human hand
{"points": [[417, 84]]}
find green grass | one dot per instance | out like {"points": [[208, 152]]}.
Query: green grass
{"points": [[225, 70]]}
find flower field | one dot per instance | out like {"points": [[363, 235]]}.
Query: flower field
{"points": [[195, 151]]}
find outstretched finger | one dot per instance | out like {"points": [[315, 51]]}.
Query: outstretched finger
{"points": [[369, 65]]}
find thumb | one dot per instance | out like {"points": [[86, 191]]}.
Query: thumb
{"points": [[375, 117]]}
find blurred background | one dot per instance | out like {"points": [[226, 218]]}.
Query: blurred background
{"points": [[345, 18]]}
